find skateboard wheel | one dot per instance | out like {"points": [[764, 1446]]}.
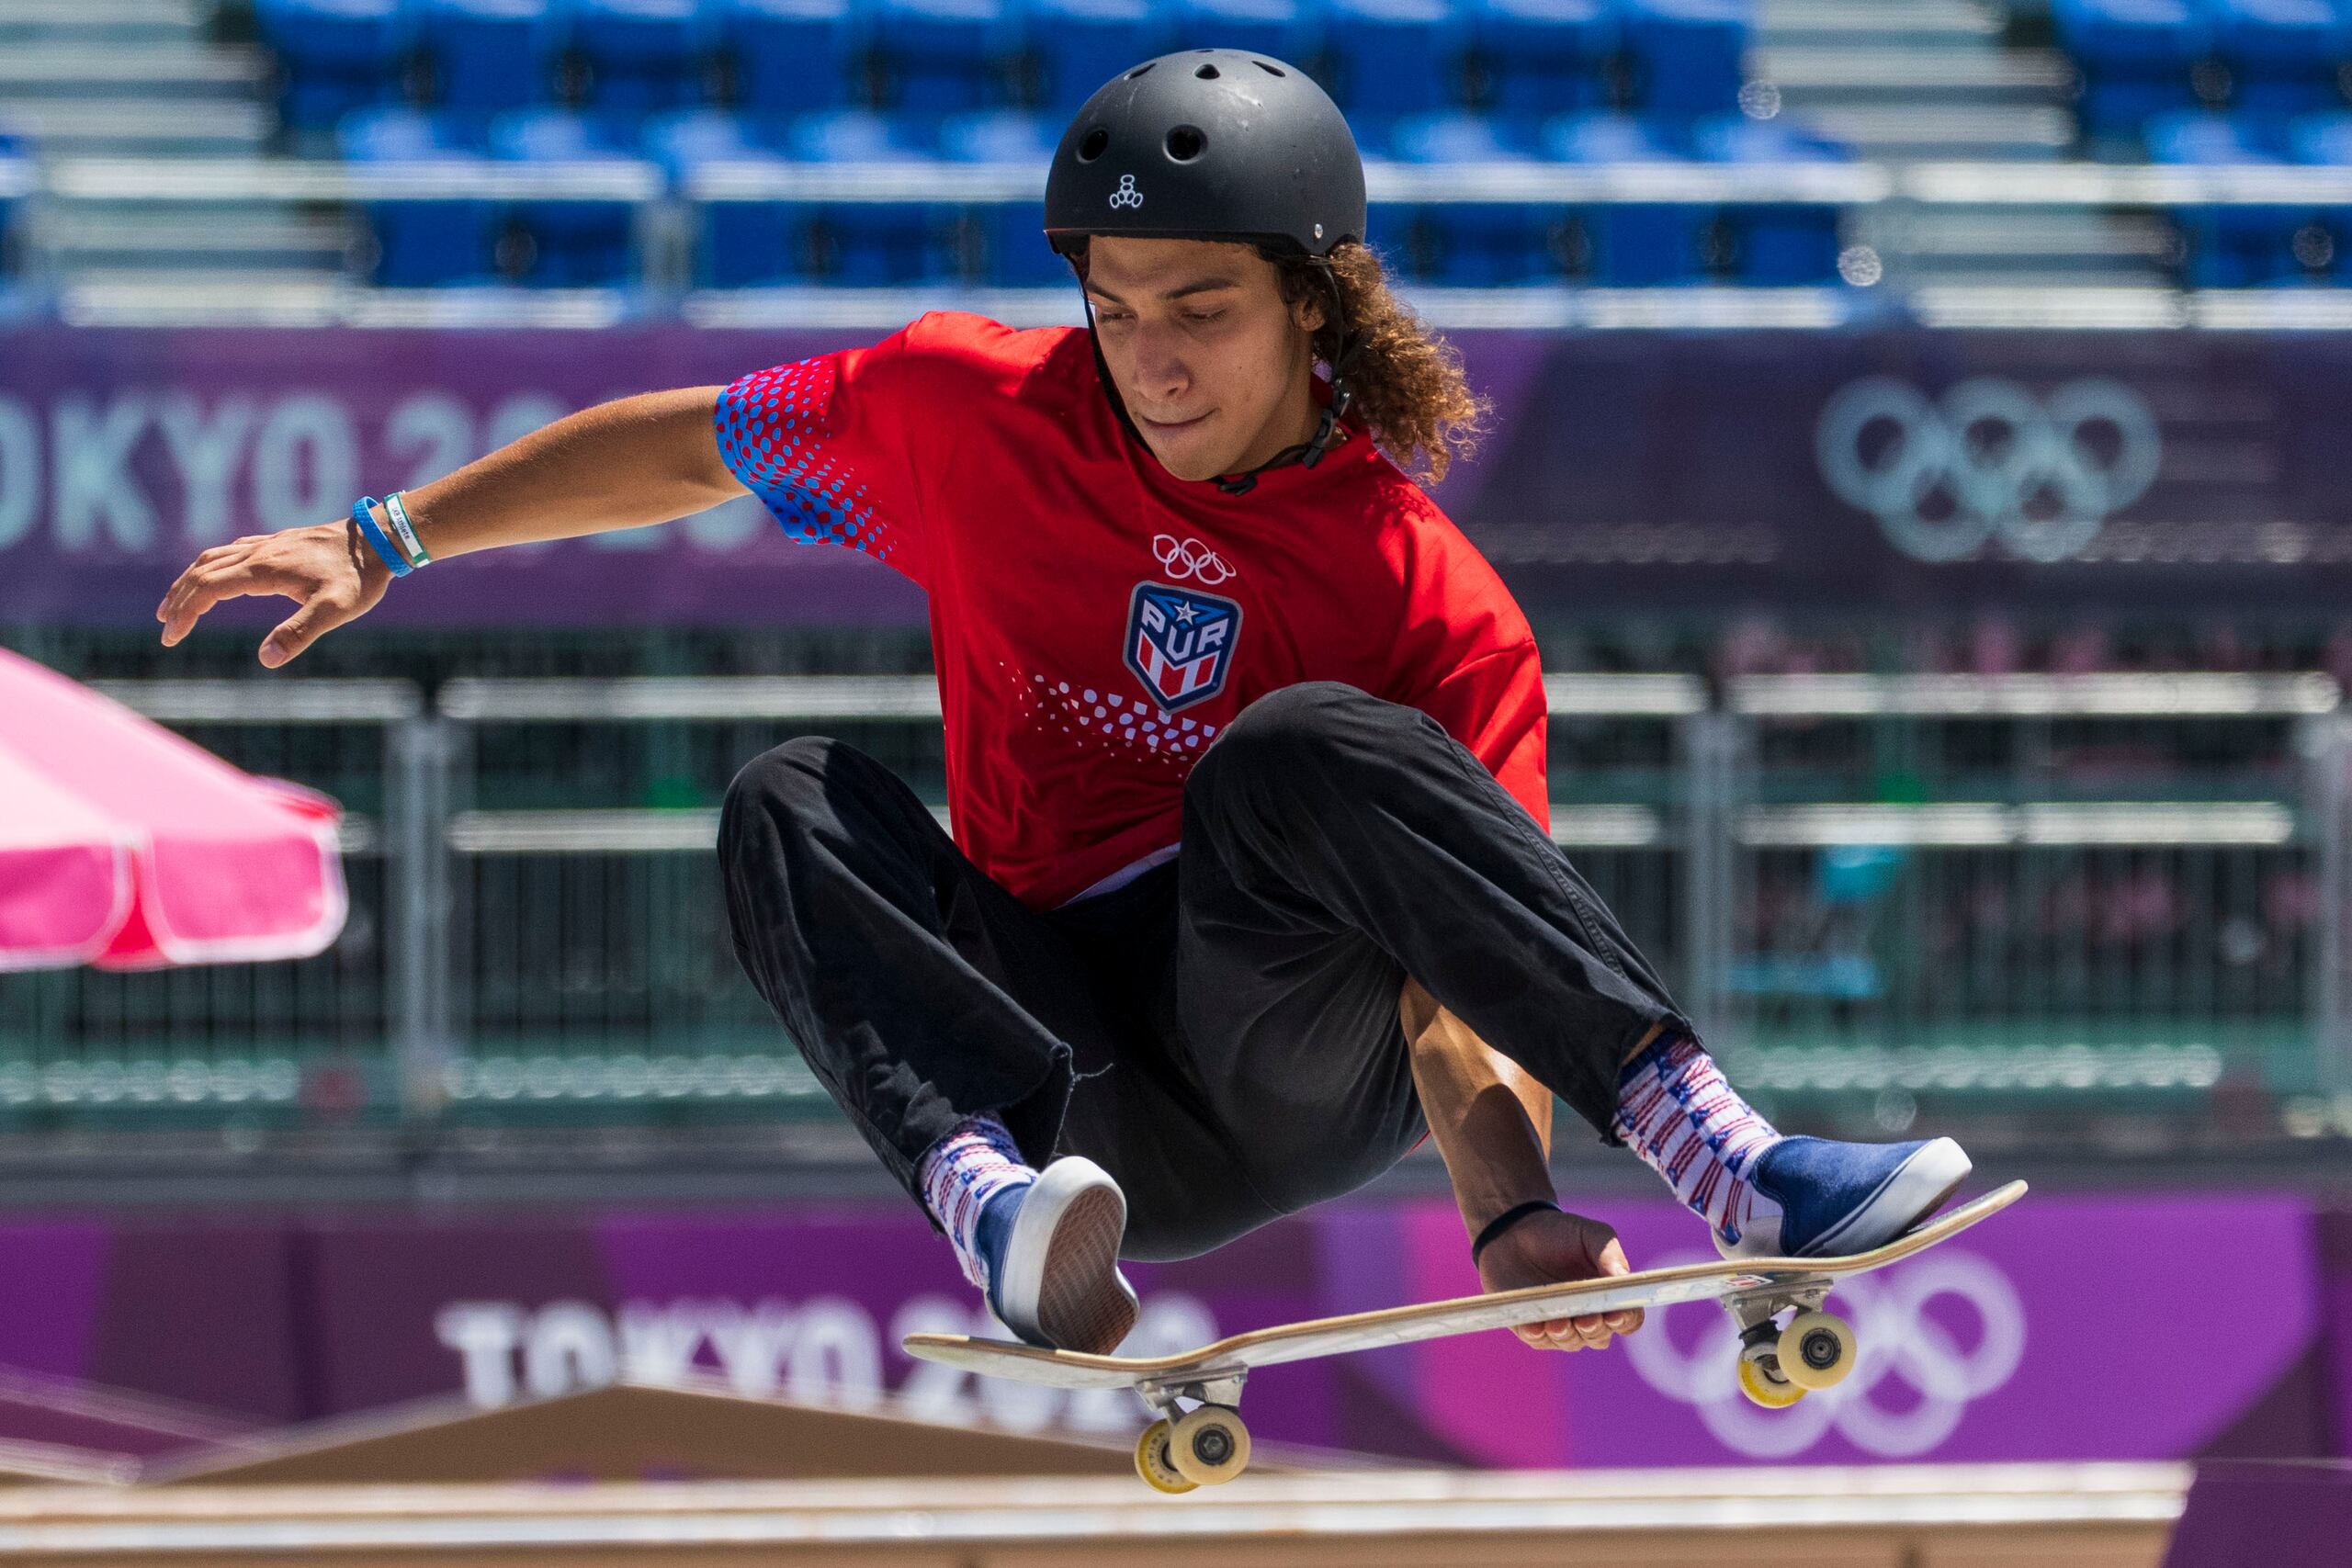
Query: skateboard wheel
{"points": [[1816, 1350], [1156, 1464], [1761, 1380], [1209, 1446]]}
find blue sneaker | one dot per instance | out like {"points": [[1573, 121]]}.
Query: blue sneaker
{"points": [[1051, 1248], [1818, 1197]]}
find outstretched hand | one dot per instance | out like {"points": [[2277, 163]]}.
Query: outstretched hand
{"points": [[1552, 1248], [328, 571]]}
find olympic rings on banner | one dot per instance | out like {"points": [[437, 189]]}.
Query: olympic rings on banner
{"points": [[1988, 461], [1901, 1344]]}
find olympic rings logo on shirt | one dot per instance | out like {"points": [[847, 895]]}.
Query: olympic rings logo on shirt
{"points": [[1181, 558], [1900, 1341], [1127, 194], [1987, 461]]}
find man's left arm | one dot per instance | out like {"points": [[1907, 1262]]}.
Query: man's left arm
{"points": [[1492, 1124]]}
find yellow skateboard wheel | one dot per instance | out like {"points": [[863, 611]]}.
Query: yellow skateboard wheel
{"points": [[1156, 1465], [1767, 1387], [1209, 1446], [1816, 1350]]}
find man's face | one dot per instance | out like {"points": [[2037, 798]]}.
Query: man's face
{"points": [[1212, 365]]}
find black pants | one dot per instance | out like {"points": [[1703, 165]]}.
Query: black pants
{"points": [[1221, 1033]]}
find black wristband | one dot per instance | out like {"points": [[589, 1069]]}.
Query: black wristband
{"points": [[1507, 1219]]}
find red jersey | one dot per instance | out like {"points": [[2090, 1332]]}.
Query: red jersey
{"points": [[1095, 620]]}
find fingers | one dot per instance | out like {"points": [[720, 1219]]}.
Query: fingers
{"points": [[303, 627], [1589, 1333], [221, 572]]}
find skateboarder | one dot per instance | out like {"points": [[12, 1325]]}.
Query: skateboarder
{"points": [[1250, 885]]}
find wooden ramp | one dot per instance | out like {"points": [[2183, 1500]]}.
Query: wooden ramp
{"points": [[1968, 1516]]}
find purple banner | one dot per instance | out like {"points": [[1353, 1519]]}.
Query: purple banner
{"points": [[125, 452], [2335, 1266], [2300, 1515], [2037, 1336], [1894, 469]]}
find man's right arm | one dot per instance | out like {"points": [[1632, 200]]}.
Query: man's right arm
{"points": [[619, 465]]}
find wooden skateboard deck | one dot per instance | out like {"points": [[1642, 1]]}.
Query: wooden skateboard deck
{"points": [[1753, 1289]]}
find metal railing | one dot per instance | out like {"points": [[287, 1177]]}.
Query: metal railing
{"points": [[1893, 887]]}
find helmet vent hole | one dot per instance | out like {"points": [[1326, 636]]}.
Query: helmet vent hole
{"points": [[1097, 139], [1141, 69], [1186, 143], [1269, 70], [1206, 72]]}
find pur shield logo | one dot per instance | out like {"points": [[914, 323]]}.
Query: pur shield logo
{"points": [[1935, 1334], [1988, 462]]}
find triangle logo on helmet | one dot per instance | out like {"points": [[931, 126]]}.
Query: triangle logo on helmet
{"points": [[1127, 194]]}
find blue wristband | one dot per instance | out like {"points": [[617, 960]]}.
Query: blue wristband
{"points": [[363, 514]]}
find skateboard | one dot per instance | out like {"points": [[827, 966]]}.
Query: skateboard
{"points": [[1199, 1440]]}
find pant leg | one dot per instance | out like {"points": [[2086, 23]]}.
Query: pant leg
{"points": [[919, 990], [1139, 1111], [1325, 827]]}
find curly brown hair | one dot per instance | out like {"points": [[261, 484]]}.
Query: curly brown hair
{"points": [[1406, 382]]}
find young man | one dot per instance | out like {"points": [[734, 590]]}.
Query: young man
{"points": [[1250, 886]]}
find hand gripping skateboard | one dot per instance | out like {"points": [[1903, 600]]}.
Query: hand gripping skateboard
{"points": [[1199, 1440]]}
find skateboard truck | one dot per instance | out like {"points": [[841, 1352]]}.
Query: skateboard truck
{"points": [[1205, 1445], [1780, 1365]]}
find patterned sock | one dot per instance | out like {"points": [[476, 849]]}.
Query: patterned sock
{"points": [[960, 1174], [1676, 1110]]}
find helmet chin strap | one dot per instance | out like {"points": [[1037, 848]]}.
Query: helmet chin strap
{"points": [[1308, 453]]}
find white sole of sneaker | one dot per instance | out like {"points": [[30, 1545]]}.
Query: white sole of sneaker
{"points": [[1918, 1186], [1061, 1262]]}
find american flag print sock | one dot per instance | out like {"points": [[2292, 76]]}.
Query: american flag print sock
{"points": [[960, 1174], [1679, 1113]]}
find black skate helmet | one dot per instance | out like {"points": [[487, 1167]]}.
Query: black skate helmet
{"points": [[1215, 144]]}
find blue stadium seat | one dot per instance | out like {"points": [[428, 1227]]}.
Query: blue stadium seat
{"points": [[334, 56], [15, 181], [1386, 58], [2282, 54], [1074, 46], [739, 245], [573, 244], [944, 57], [796, 56], [488, 55], [2234, 245], [641, 55], [2136, 57], [2321, 139], [1288, 30], [1775, 244], [424, 243], [1687, 56], [1534, 59], [1009, 237], [2326, 139], [1467, 245], [1630, 245], [871, 242]]}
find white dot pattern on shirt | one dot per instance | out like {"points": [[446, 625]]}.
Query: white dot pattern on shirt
{"points": [[1106, 721]]}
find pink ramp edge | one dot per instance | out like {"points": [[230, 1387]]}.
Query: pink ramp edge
{"points": [[224, 867]]}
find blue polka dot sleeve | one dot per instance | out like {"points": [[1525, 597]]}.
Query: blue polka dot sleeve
{"points": [[821, 442]]}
